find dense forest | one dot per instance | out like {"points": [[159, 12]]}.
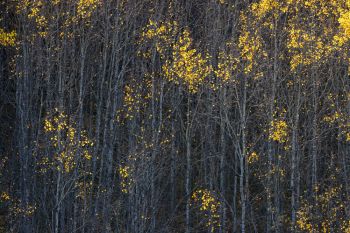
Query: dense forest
{"points": [[170, 116]]}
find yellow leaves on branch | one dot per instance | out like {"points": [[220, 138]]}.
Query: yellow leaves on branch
{"points": [[261, 8], [181, 62], [227, 65], [85, 8], [325, 214], [186, 64], [34, 11], [253, 157], [303, 220], [5, 197], [131, 101], [64, 139], [250, 45], [126, 180], [57, 123], [137, 94], [16, 207], [338, 118], [164, 34], [209, 206], [304, 48], [84, 187], [343, 122], [319, 40], [278, 131], [344, 22], [7, 38], [42, 14], [310, 42], [343, 36], [333, 118]]}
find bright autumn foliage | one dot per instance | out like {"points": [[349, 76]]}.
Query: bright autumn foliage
{"points": [[70, 148], [209, 206], [85, 8], [278, 131], [7, 38], [125, 174], [174, 116], [185, 64], [324, 216], [250, 44]]}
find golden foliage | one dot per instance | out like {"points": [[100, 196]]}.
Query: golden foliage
{"points": [[163, 33], [342, 120], [64, 138], [325, 214], [18, 210], [185, 64], [60, 13], [227, 65], [261, 8], [316, 29], [7, 38], [298, 40], [278, 131], [253, 157], [84, 187], [5, 196], [126, 179], [85, 8], [250, 45], [137, 94], [34, 11], [209, 206]]}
